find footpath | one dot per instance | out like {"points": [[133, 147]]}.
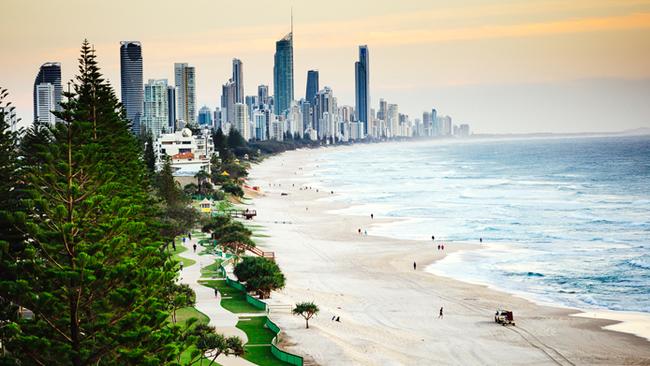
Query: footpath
{"points": [[207, 303]]}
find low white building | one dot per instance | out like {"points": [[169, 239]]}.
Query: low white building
{"points": [[188, 153]]}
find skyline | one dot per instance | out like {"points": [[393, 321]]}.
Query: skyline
{"points": [[559, 67]]}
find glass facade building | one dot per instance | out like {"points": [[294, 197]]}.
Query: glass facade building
{"points": [[362, 86], [49, 73], [283, 75], [131, 77]]}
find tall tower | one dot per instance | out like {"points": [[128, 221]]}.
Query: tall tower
{"points": [[238, 79], [362, 86], [171, 109], [131, 75], [283, 73], [184, 77], [50, 73], [312, 86], [228, 91], [155, 118]]}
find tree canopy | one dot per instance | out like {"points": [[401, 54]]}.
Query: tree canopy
{"points": [[260, 275]]}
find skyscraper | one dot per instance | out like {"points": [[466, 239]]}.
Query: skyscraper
{"points": [[263, 95], [45, 103], [241, 121], [312, 86], [205, 116], [131, 76], [171, 109], [50, 72], [228, 91], [362, 87], [155, 117], [184, 76], [283, 73], [238, 79]]}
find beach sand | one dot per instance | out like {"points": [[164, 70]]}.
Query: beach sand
{"points": [[388, 311]]}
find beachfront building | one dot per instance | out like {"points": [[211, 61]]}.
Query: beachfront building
{"points": [[392, 120], [131, 82], [228, 100], [184, 78], [362, 87], [155, 117], [45, 103], [283, 74], [48, 73], [240, 122], [238, 80], [188, 153], [171, 109], [326, 114]]}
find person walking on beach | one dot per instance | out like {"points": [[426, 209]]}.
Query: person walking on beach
{"points": [[438, 246], [480, 240], [414, 266], [372, 216], [433, 238], [442, 247], [440, 316]]}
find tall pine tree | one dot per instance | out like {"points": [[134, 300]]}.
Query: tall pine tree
{"points": [[92, 271]]}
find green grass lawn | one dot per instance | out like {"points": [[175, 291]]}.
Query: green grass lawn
{"points": [[175, 255], [237, 299], [212, 270], [258, 348]]}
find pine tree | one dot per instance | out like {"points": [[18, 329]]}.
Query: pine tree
{"points": [[149, 154], [93, 272]]}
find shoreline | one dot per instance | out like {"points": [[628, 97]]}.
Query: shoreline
{"points": [[394, 255]]}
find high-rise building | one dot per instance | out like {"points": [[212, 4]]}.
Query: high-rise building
{"points": [[259, 123], [392, 120], [238, 79], [251, 103], [362, 87], [283, 73], [228, 91], [263, 95], [312, 86], [131, 77], [49, 72], [155, 117], [171, 109], [45, 103], [435, 131], [205, 116], [241, 121], [325, 113], [184, 77]]}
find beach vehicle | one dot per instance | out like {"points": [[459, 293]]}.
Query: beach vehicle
{"points": [[504, 317]]}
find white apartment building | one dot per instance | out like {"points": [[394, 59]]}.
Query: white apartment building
{"points": [[188, 153], [45, 103]]}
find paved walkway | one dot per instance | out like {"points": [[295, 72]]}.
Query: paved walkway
{"points": [[224, 321]]}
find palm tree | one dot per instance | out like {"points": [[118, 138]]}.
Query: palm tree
{"points": [[202, 176]]}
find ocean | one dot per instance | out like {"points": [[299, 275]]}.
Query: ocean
{"points": [[563, 220]]}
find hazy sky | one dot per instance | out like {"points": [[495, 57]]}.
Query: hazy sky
{"points": [[502, 66]]}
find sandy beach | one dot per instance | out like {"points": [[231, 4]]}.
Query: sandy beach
{"points": [[389, 311]]}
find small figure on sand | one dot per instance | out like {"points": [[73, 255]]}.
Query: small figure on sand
{"points": [[480, 240], [365, 232], [433, 237], [438, 246], [359, 231], [442, 247], [415, 266], [338, 319], [440, 316], [372, 216], [194, 246]]}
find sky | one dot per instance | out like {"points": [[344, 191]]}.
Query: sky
{"points": [[501, 66]]}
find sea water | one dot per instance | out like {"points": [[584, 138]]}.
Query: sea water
{"points": [[563, 220]]}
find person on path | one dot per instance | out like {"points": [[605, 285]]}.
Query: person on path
{"points": [[194, 246], [440, 316], [189, 235], [414, 266], [181, 264]]}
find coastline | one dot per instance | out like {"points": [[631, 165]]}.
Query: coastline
{"points": [[539, 338]]}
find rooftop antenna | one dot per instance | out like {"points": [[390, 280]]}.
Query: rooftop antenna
{"points": [[292, 22]]}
